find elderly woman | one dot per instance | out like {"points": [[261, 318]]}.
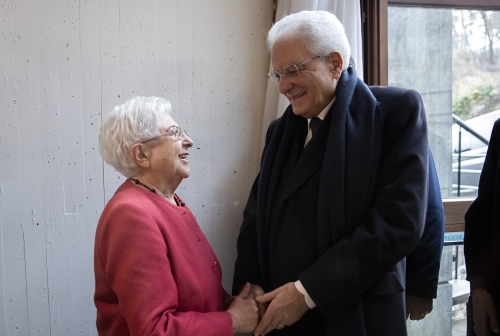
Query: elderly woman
{"points": [[155, 272]]}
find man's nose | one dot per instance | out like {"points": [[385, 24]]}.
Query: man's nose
{"points": [[285, 84]]}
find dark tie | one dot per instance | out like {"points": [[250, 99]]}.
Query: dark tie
{"points": [[314, 125]]}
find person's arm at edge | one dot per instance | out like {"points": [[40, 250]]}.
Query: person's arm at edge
{"points": [[477, 242]]}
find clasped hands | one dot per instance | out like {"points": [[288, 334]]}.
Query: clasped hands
{"points": [[277, 309]]}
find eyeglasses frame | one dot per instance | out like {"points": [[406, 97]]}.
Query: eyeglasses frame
{"points": [[274, 76], [172, 130]]}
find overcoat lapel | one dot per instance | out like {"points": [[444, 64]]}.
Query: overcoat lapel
{"points": [[310, 161], [281, 140]]}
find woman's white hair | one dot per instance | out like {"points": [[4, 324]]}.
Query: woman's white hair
{"points": [[132, 122], [320, 31]]}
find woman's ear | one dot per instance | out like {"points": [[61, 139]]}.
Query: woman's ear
{"points": [[335, 59], [140, 156]]}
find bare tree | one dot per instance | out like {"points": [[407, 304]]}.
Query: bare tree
{"points": [[488, 34], [466, 31]]}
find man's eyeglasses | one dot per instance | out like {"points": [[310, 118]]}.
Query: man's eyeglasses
{"points": [[293, 70], [175, 131]]}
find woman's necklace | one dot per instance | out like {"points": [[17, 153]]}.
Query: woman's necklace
{"points": [[136, 181], [175, 198]]}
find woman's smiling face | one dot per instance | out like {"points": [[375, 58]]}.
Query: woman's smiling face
{"points": [[169, 155]]}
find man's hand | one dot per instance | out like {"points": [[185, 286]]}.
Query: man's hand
{"points": [[483, 312], [417, 307], [287, 306]]}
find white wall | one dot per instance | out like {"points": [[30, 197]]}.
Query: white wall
{"points": [[63, 66]]}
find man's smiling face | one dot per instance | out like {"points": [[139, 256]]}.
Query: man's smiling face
{"points": [[314, 87]]}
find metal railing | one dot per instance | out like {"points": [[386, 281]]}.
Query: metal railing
{"points": [[458, 241], [463, 125]]}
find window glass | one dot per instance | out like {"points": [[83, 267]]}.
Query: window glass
{"points": [[452, 57]]}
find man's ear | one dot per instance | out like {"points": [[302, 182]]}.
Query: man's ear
{"points": [[140, 156], [335, 59]]}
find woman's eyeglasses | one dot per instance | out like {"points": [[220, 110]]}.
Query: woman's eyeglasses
{"points": [[175, 131]]}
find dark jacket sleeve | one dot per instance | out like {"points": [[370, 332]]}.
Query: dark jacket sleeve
{"points": [[422, 264], [247, 266], [479, 219]]}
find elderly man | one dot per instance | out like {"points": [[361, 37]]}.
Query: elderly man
{"points": [[341, 196]]}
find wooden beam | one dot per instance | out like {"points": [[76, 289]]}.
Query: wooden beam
{"points": [[454, 213]]}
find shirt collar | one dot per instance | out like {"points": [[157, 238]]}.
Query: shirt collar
{"points": [[324, 111]]}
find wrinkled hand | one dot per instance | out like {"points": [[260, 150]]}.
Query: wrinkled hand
{"points": [[287, 306], [244, 311], [417, 307], [483, 312], [255, 292], [228, 302]]}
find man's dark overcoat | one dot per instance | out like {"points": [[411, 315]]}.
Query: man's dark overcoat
{"points": [[342, 213]]}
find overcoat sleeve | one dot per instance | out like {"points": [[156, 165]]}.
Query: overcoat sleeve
{"points": [[247, 265], [422, 264]]}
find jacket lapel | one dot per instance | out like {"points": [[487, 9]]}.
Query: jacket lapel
{"points": [[285, 138], [310, 161]]}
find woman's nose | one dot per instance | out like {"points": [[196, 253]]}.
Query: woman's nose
{"points": [[187, 141]]}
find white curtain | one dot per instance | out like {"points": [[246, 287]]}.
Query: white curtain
{"points": [[348, 12]]}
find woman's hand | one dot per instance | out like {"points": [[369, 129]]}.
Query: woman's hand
{"points": [[243, 310], [257, 291], [484, 312]]}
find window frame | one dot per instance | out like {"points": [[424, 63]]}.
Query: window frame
{"points": [[376, 71], [375, 35]]}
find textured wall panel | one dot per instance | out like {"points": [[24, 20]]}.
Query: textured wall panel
{"points": [[64, 65]]}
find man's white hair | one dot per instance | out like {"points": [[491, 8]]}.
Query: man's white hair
{"points": [[320, 31]]}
